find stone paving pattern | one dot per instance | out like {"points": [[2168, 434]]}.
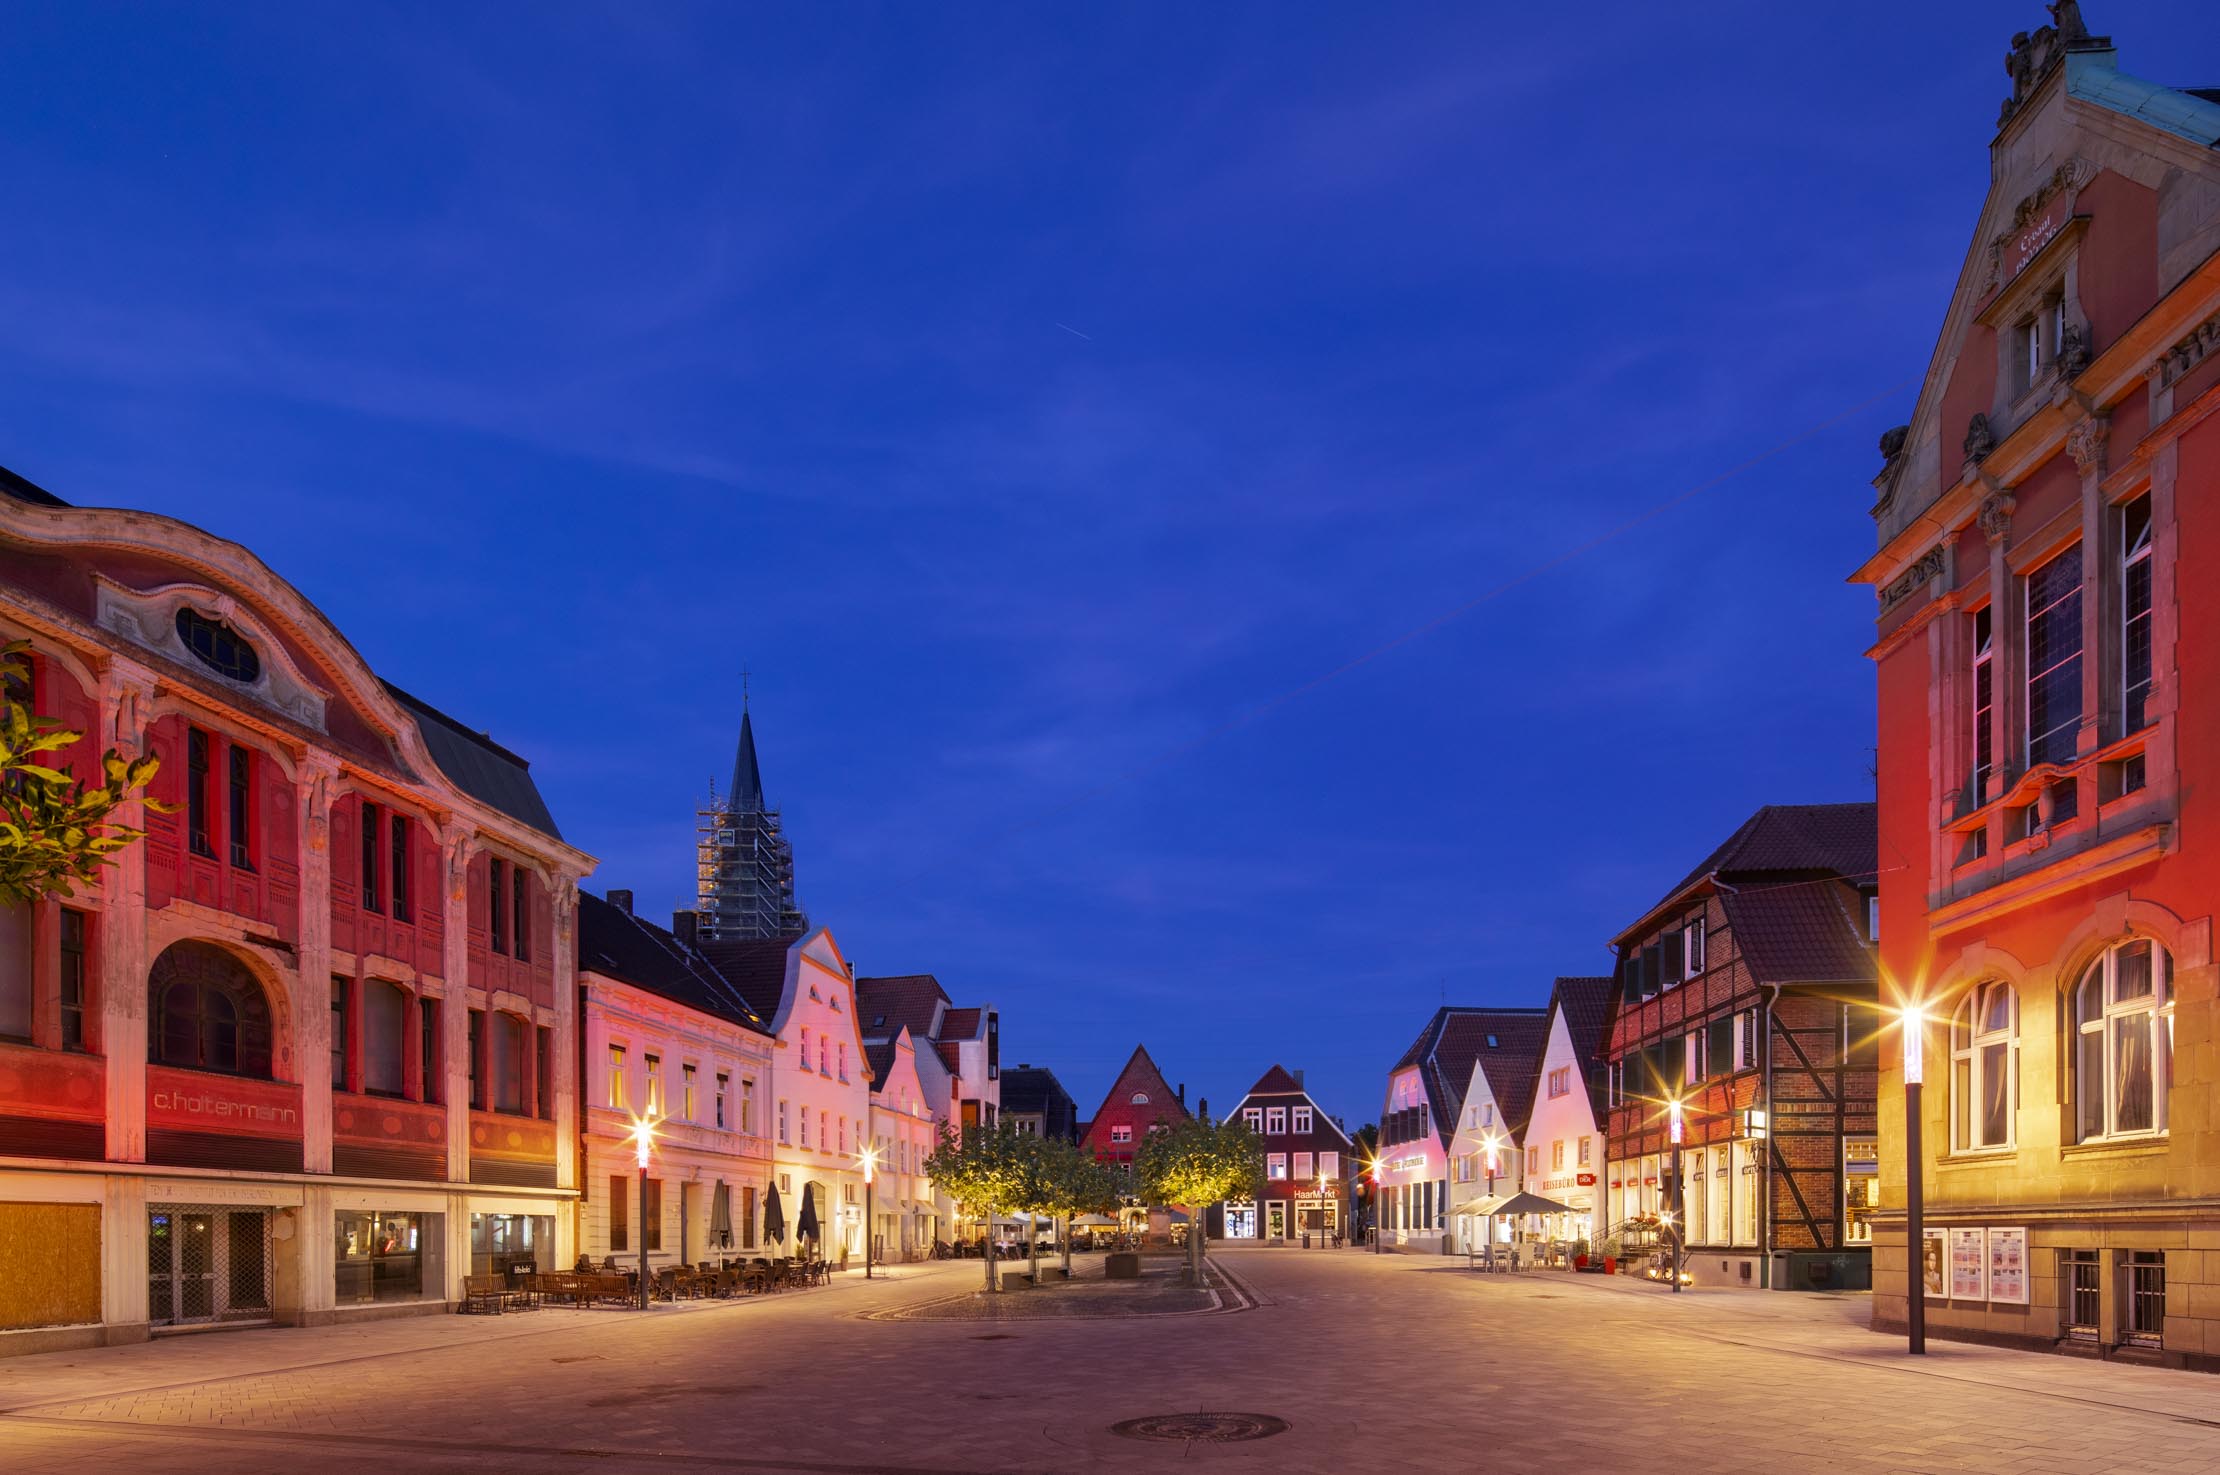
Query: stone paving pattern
{"points": [[1380, 1363]]}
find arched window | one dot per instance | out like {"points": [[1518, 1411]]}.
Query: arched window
{"points": [[384, 1038], [1140, 1098], [1984, 1068], [217, 646], [2123, 1041], [209, 1013]]}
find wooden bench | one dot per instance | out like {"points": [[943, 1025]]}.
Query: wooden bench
{"points": [[483, 1295]]}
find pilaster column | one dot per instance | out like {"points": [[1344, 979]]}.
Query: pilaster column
{"points": [[120, 948], [454, 1015], [315, 787], [563, 1049], [2100, 636]]}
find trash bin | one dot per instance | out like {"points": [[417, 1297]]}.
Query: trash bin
{"points": [[1306, 1239]]}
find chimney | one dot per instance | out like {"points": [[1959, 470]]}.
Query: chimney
{"points": [[684, 926], [1202, 1107], [621, 900], [1181, 1093], [1298, 1080]]}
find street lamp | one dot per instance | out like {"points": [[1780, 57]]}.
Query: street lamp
{"points": [[1491, 1142], [1915, 1204], [1373, 1168], [870, 1160], [1675, 1130], [643, 1135]]}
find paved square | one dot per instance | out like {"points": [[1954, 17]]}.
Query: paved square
{"points": [[1378, 1363]]}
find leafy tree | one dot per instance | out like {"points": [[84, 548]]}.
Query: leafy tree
{"points": [[1075, 1184], [56, 831], [986, 1170], [1196, 1164]]}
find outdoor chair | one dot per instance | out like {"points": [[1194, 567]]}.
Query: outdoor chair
{"points": [[483, 1295]]}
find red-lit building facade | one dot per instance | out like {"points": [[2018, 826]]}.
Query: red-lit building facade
{"points": [[1306, 1164], [1139, 1100], [2047, 714], [304, 1052], [1747, 995]]}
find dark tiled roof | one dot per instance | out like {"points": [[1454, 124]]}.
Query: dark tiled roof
{"points": [[479, 766], [756, 967], [903, 1001], [951, 1055], [613, 942], [881, 1060], [1029, 1088], [1586, 1003], [1842, 838], [1799, 932], [961, 1024], [1455, 1039], [23, 489], [1275, 1082]]}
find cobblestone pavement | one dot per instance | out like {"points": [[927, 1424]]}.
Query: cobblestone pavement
{"points": [[1158, 1292], [1382, 1363]]}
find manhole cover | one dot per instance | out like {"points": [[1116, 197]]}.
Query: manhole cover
{"points": [[1201, 1428]]}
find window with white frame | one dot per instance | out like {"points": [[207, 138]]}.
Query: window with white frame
{"points": [[1275, 1121], [1984, 1068], [1329, 1166], [747, 1104], [2135, 614], [1303, 1167], [1121, 1134], [1533, 1161], [1253, 1118], [1692, 947], [616, 1078], [1557, 1155], [2054, 659], [1584, 1151], [1560, 1082], [1984, 702], [782, 1120], [2123, 1042], [805, 1126], [803, 1061], [1302, 1119], [1275, 1166]]}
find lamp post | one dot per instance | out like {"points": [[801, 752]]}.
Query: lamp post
{"points": [[1491, 1142], [1675, 1130], [1915, 1207], [1378, 1189], [870, 1158], [643, 1133]]}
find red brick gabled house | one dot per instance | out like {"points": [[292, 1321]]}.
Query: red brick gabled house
{"points": [[1307, 1163], [1140, 1099]]}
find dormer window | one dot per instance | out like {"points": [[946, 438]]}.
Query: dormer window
{"points": [[1140, 1098], [217, 646]]}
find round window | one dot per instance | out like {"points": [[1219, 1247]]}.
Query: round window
{"points": [[217, 646]]}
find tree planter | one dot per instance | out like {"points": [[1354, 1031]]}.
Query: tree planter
{"points": [[1124, 1265]]}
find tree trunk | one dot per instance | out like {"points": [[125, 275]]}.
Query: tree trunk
{"points": [[988, 1246], [1033, 1243], [1063, 1240]]}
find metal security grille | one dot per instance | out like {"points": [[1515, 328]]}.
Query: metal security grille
{"points": [[207, 1263], [2146, 1309], [2084, 1295]]}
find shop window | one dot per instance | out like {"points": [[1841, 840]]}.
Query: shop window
{"points": [[211, 1013], [2123, 1042], [381, 1256], [500, 1243], [384, 1038], [2135, 614], [2054, 659], [1984, 1068], [73, 979], [18, 989]]}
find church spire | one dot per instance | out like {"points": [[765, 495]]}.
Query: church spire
{"points": [[744, 865], [747, 779]]}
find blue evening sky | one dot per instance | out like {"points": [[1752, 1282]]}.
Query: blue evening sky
{"points": [[1027, 393]]}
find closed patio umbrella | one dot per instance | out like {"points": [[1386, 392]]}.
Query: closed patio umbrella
{"points": [[720, 1217], [774, 1216], [805, 1226]]}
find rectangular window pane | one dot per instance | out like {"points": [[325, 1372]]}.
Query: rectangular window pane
{"points": [[384, 1032], [242, 808], [197, 819], [620, 1187], [520, 915], [497, 889], [545, 1074], [2135, 613], [616, 1078], [651, 1216], [338, 1034], [1961, 1102], [2054, 658], [477, 1054], [372, 900], [2089, 1083], [508, 1063], [434, 1089], [400, 848], [2131, 1073], [1996, 1123], [73, 979]]}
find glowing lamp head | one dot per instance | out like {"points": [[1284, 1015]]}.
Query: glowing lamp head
{"points": [[1666, 1218], [1676, 1124], [869, 1157], [643, 1136], [1915, 1040]]}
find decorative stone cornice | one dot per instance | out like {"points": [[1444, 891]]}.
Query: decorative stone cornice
{"points": [[1902, 586], [1996, 516], [2202, 342]]}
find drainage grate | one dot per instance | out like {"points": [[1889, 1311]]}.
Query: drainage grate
{"points": [[1201, 1428]]}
